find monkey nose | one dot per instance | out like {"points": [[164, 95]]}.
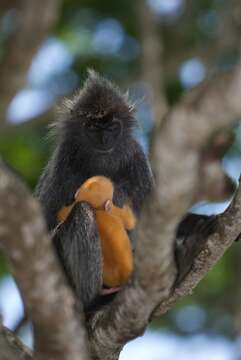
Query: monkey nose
{"points": [[105, 138]]}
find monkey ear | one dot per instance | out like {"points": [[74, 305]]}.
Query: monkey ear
{"points": [[108, 205], [76, 194]]}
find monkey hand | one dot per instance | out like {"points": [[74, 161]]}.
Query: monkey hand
{"points": [[130, 220], [64, 212]]}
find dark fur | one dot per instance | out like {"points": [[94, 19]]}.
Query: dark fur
{"points": [[74, 160]]}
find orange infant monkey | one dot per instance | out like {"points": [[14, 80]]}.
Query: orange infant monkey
{"points": [[112, 223]]}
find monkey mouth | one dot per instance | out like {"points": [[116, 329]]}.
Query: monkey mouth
{"points": [[104, 151], [104, 135], [104, 144]]}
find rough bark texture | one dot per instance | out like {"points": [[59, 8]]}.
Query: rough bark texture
{"points": [[11, 347]]}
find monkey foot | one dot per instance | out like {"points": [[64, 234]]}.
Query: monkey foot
{"points": [[110, 291], [192, 235]]}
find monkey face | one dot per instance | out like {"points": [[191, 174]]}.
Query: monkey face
{"points": [[103, 133], [98, 124]]}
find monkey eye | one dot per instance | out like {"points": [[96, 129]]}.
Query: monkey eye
{"points": [[91, 126], [107, 124], [104, 133]]}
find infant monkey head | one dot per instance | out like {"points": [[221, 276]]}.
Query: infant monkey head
{"points": [[98, 192]]}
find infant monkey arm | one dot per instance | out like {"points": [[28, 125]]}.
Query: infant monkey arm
{"points": [[64, 212], [126, 215]]}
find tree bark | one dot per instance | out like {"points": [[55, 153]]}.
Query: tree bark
{"points": [[11, 347]]}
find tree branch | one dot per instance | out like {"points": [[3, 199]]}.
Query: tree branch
{"points": [[33, 17], [228, 230], [187, 128], [11, 347], [49, 302], [152, 60]]}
